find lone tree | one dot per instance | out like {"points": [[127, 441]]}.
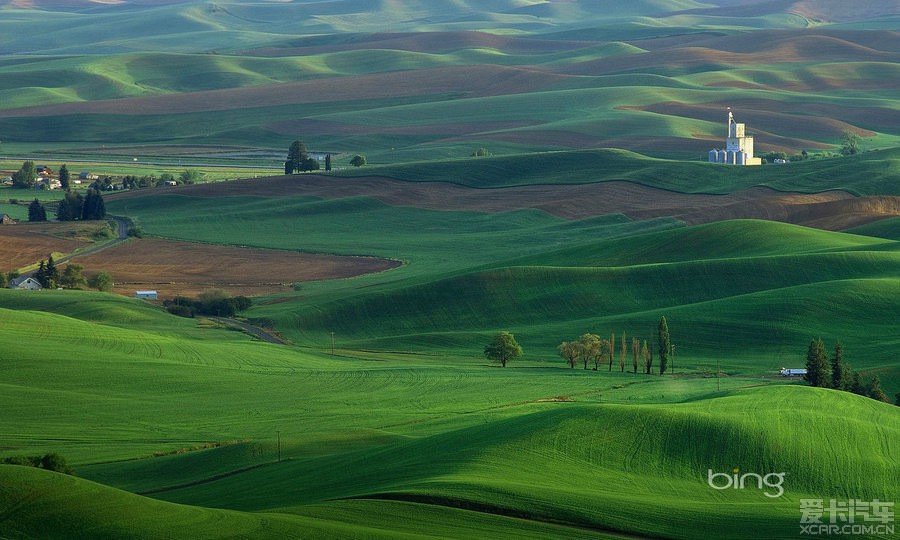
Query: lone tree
{"points": [[36, 211], [25, 177], [664, 345], [327, 162], [502, 348], [817, 364], [101, 281], [358, 160]]}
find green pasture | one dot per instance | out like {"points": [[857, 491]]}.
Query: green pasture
{"points": [[382, 418]]}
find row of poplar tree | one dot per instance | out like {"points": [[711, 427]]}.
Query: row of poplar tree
{"points": [[592, 349]]}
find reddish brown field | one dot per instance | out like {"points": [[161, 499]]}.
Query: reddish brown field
{"points": [[28, 243], [186, 269]]}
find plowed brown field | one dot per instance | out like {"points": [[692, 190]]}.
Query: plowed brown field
{"points": [[175, 268]]}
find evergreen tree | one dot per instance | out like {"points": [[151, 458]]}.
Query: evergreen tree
{"points": [[64, 176], [646, 357], [297, 154], [623, 354], [874, 390], [664, 345], [327, 162], [817, 364], [36, 211], [93, 207], [856, 385], [612, 348], [40, 275], [840, 371], [4, 280], [288, 167], [897, 399], [52, 273], [635, 352], [69, 208]]}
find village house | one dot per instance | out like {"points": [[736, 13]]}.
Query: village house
{"points": [[6, 219], [25, 283]]}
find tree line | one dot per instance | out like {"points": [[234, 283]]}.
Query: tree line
{"points": [[72, 277], [836, 373], [299, 160], [214, 302], [51, 462], [592, 350]]}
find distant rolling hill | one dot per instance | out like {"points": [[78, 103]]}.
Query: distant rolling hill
{"points": [[431, 79]]}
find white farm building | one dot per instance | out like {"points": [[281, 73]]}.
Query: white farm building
{"points": [[738, 146]]}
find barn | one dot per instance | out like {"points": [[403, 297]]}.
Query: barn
{"points": [[146, 295]]}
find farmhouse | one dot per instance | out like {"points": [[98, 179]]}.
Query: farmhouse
{"points": [[87, 176], [738, 146], [6, 219], [25, 283], [146, 295]]}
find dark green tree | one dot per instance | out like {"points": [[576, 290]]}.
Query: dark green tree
{"points": [[897, 399], [101, 281], [36, 211], [875, 391], [4, 280], [327, 162], [69, 208], [840, 371], [358, 160], [64, 176], [665, 346], [297, 154], [856, 385], [817, 364], [25, 177], [190, 176], [51, 273], [503, 348], [310, 164], [40, 275], [73, 277], [93, 208]]}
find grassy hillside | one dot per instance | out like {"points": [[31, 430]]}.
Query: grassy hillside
{"points": [[584, 467]]}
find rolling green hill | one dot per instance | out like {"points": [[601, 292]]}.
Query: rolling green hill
{"points": [[381, 418], [552, 469]]}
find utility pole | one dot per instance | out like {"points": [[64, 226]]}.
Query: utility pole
{"points": [[278, 434]]}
